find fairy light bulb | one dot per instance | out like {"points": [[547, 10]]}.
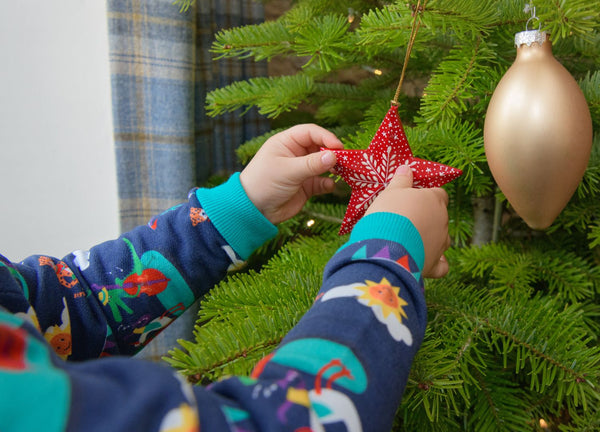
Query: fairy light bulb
{"points": [[351, 16]]}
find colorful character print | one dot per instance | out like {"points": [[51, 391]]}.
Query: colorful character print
{"points": [[59, 336], [333, 364], [181, 419], [13, 347], [197, 215], [236, 262], [15, 274], [153, 222], [384, 301], [65, 275], [152, 275], [384, 254]]}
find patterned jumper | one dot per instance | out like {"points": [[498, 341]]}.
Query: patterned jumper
{"points": [[68, 328]]}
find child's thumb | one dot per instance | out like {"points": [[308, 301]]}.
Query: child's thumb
{"points": [[403, 177], [311, 165]]}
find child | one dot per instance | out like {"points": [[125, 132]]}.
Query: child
{"points": [[344, 365]]}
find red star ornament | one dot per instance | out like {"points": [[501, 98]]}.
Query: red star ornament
{"points": [[369, 171]]}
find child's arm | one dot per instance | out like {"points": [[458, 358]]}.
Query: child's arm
{"points": [[114, 298], [345, 365]]}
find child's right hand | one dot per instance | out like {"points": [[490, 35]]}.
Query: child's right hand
{"points": [[427, 210]]}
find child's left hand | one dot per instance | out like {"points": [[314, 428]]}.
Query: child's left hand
{"points": [[286, 171]]}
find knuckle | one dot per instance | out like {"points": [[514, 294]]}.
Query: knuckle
{"points": [[312, 164]]}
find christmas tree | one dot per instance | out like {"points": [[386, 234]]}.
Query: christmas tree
{"points": [[512, 339]]}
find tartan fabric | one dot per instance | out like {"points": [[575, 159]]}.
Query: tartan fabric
{"points": [[161, 70]]}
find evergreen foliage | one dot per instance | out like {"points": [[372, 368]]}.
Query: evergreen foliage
{"points": [[513, 329]]}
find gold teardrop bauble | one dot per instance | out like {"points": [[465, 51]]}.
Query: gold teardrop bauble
{"points": [[537, 132]]}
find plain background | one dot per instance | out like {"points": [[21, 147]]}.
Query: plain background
{"points": [[57, 168]]}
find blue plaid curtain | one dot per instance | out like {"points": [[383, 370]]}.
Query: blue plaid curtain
{"points": [[161, 70]]}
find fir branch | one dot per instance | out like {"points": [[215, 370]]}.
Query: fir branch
{"points": [[466, 19], [583, 421], [324, 39], [460, 221], [553, 358], [248, 314], [566, 18], [456, 143], [453, 86], [435, 383], [589, 187], [590, 85], [579, 56], [579, 215], [303, 12], [384, 28], [272, 96], [594, 235], [324, 212], [261, 41], [342, 101], [509, 271], [184, 5], [345, 92], [246, 151], [315, 219], [498, 403], [230, 349]]}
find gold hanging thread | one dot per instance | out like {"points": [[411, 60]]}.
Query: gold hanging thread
{"points": [[413, 35]]}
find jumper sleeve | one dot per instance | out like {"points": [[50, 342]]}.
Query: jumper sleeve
{"points": [[343, 367], [116, 297], [346, 363], [42, 392], [241, 224]]}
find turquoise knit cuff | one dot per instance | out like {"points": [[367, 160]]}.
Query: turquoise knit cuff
{"points": [[392, 227], [240, 223]]}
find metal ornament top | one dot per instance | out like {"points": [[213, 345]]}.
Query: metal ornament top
{"points": [[530, 36]]}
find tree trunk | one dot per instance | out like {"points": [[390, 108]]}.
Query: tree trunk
{"points": [[483, 228]]}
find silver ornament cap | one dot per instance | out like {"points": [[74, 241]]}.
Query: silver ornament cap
{"points": [[529, 37]]}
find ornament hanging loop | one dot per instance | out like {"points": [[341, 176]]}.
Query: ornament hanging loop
{"points": [[532, 19], [531, 8], [528, 36]]}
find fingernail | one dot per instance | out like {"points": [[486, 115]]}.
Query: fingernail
{"points": [[328, 158], [403, 170]]}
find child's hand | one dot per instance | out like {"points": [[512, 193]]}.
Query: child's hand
{"points": [[427, 210], [286, 171]]}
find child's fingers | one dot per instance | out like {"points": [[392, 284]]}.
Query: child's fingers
{"points": [[318, 186], [314, 164], [323, 185], [440, 269], [403, 177], [308, 138]]}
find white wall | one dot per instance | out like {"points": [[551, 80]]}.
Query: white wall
{"points": [[57, 169]]}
